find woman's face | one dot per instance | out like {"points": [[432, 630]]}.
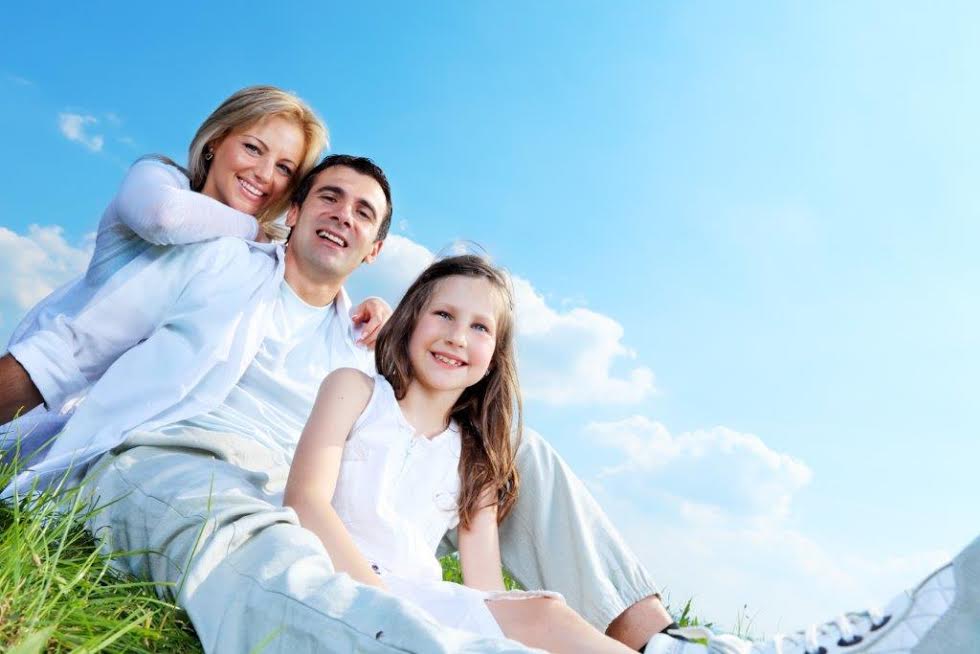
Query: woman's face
{"points": [[252, 166]]}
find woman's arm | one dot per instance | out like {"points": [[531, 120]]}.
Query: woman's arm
{"points": [[155, 204], [479, 547], [316, 466]]}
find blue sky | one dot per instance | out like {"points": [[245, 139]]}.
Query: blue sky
{"points": [[746, 235]]}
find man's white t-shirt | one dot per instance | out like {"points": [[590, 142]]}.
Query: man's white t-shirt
{"points": [[275, 395]]}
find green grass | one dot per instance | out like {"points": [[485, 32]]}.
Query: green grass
{"points": [[452, 572], [59, 594]]}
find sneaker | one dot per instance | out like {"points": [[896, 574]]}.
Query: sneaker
{"points": [[939, 616]]}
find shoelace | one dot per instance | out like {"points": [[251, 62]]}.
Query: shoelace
{"points": [[850, 629]]}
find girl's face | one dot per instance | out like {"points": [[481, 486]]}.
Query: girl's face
{"points": [[453, 342], [252, 166]]}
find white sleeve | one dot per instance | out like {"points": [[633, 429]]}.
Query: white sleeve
{"points": [[155, 202], [202, 344], [73, 351]]}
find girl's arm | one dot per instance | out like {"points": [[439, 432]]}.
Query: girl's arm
{"points": [[313, 475], [479, 547], [155, 204]]}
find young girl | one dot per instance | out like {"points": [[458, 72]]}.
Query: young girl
{"points": [[386, 465], [244, 162]]}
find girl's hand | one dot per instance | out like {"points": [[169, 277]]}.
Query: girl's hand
{"points": [[371, 315]]}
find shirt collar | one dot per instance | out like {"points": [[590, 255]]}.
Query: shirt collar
{"points": [[342, 303]]}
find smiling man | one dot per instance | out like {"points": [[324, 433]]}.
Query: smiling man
{"points": [[191, 304], [321, 249]]}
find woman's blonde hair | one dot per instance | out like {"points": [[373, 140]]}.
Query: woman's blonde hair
{"points": [[489, 412], [245, 108]]}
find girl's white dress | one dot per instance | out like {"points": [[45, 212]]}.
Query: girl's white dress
{"points": [[397, 494]]}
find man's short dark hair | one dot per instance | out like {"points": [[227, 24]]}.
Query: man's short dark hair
{"points": [[362, 165]]}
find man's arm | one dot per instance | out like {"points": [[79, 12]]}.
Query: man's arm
{"points": [[66, 353], [200, 315], [18, 394]]}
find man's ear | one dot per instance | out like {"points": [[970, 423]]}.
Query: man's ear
{"points": [[292, 215], [373, 254]]}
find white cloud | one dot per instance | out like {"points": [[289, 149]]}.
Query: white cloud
{"points": [[400, 262], [565, 356], [74, 128], [568, 357], [34, 264], [708, 513], [765, 573], [718, 467], [20, 81]]}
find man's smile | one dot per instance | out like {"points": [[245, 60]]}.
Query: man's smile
{"points": [[332, 237]]}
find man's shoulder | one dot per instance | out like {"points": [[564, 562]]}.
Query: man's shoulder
{"points": [[227, 261], [223, 251]]}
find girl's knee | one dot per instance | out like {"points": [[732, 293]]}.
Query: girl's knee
{"points": [[522, 619], [548, 609]]}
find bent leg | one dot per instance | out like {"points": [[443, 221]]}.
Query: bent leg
{"points": [[211, 535], [551, 625], [558, 538]]}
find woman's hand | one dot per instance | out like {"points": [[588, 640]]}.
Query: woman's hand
{"points": [[370, 315]]}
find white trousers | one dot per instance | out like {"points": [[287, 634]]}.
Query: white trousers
{"points": [[202, 517]]}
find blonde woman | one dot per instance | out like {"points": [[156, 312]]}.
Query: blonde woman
{"points": [[243, 164]]}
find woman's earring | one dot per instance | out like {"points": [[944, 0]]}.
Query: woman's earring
{"points": [[208, 154]]}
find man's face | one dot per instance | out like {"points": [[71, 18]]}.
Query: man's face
{"points": [[334, 230]]}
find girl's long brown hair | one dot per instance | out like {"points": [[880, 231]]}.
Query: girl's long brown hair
{"points": [[489, 413]]}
